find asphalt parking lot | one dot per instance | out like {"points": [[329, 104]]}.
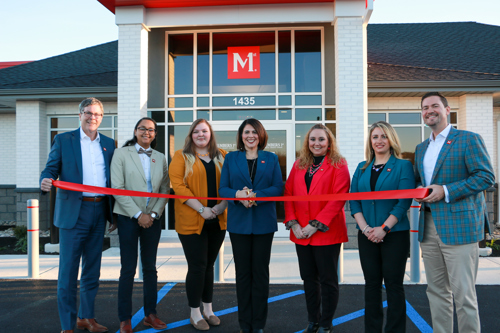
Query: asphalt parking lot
{"points": [[31, 306]]}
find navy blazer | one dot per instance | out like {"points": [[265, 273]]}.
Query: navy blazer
{"points": [[268, 182], [65, 163], [396, 175]]}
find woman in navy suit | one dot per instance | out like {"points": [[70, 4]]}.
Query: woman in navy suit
{"points": [[383, 236], [246, 173]]}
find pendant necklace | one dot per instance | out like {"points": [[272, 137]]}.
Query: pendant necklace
{"points": [[315, 167], [378, 167], [202, 155]]}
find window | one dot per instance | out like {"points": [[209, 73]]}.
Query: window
{"points": [[409, 126], [290, 87], [63, 124]]}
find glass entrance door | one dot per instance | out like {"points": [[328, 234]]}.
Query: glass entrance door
{"points": [[279, 139]]}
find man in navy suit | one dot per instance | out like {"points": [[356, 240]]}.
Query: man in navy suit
{"points": [[82, 156], [456, 166]]}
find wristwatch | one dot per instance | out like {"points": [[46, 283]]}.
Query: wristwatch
{"points": [[201, 210], [386, 228], [154, 215]]}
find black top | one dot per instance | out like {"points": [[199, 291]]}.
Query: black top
{"points": [[309, 177], [376, 171], [211, 185], [252, 168]]}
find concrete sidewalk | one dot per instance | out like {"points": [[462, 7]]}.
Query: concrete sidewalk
{"points": [[172, 266]]}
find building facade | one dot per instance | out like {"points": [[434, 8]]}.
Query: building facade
{"points": [[290, 64]]}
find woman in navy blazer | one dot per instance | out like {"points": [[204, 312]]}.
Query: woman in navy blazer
{"points": [[383, 237], [246, 173]]}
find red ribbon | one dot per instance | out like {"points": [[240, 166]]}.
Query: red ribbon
{"points": [[418, 193]]}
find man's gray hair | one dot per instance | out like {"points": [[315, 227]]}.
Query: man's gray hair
{"points": [[90, 101]]}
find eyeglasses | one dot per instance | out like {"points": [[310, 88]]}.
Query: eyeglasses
{"points": [[89, 114], [144, 129]]}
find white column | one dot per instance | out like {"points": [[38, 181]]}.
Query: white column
{"points": [[132, 78], [351, 88], [31, 142], [476, 115]]}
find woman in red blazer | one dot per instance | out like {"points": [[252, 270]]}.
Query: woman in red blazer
{"points": [[318, 227]]}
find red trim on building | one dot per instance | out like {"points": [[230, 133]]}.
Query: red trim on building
{"points": [[112, 4], [5, 64]]}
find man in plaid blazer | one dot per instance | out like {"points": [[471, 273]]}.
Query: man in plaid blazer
{"points": [[457, 167]]}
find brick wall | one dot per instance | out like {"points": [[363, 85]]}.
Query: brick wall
{"points": [[476, 115], [31, 156], [8, 149], [31, 142], [8, 207], [132, 78], [351, 98]]}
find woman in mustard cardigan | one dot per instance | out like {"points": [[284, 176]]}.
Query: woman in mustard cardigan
{"points": [[201, 224]]}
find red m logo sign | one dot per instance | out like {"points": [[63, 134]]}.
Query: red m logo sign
{"points": [[243, 62]]}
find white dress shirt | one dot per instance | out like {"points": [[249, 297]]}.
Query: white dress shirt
{"points": [[432, 155], [93, 166], [146, 166]]}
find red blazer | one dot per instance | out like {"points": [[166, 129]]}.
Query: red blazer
{"points": [[327, 180]]}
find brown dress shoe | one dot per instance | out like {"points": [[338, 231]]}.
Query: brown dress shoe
{"points": [[153, 321], [90, 325], [67, 331], [126, 327]]}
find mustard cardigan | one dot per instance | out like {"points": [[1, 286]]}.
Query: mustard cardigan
{"points": [[187, 220]]}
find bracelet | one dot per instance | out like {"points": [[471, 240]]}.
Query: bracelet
{"points": [[363, 232]]}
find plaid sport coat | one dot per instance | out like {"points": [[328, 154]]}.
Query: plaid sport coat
{"points": [[464, 166]]}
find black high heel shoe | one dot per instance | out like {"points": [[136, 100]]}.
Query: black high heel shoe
{"points": [[325, 329], [311, 328]]}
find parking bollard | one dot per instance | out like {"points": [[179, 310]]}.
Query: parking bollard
{"points": [[33, 239], [414, 245]]}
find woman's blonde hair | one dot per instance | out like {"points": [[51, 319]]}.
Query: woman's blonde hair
{"points": [[306, 158], [391, 135], [189, 150]]}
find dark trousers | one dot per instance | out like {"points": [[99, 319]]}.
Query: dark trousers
{"points": [[130, 233], [201, 252], [83, 241], [318, 270], [252, 254], [385, 262]]}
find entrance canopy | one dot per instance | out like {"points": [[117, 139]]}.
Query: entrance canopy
{"points": [[112, 4]]}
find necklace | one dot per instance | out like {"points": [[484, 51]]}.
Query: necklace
{"points": [[378, 167], [315, 167], [202, 155]]}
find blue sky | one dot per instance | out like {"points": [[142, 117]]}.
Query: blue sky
{"points": [[38, 29]]}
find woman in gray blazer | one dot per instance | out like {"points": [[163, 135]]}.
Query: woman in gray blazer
{"points": [[138, 167]]}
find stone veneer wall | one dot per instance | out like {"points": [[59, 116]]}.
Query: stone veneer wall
{"points": [[7, 203]]}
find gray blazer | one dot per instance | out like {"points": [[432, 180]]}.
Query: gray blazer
{"points": [[127, 174]]}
